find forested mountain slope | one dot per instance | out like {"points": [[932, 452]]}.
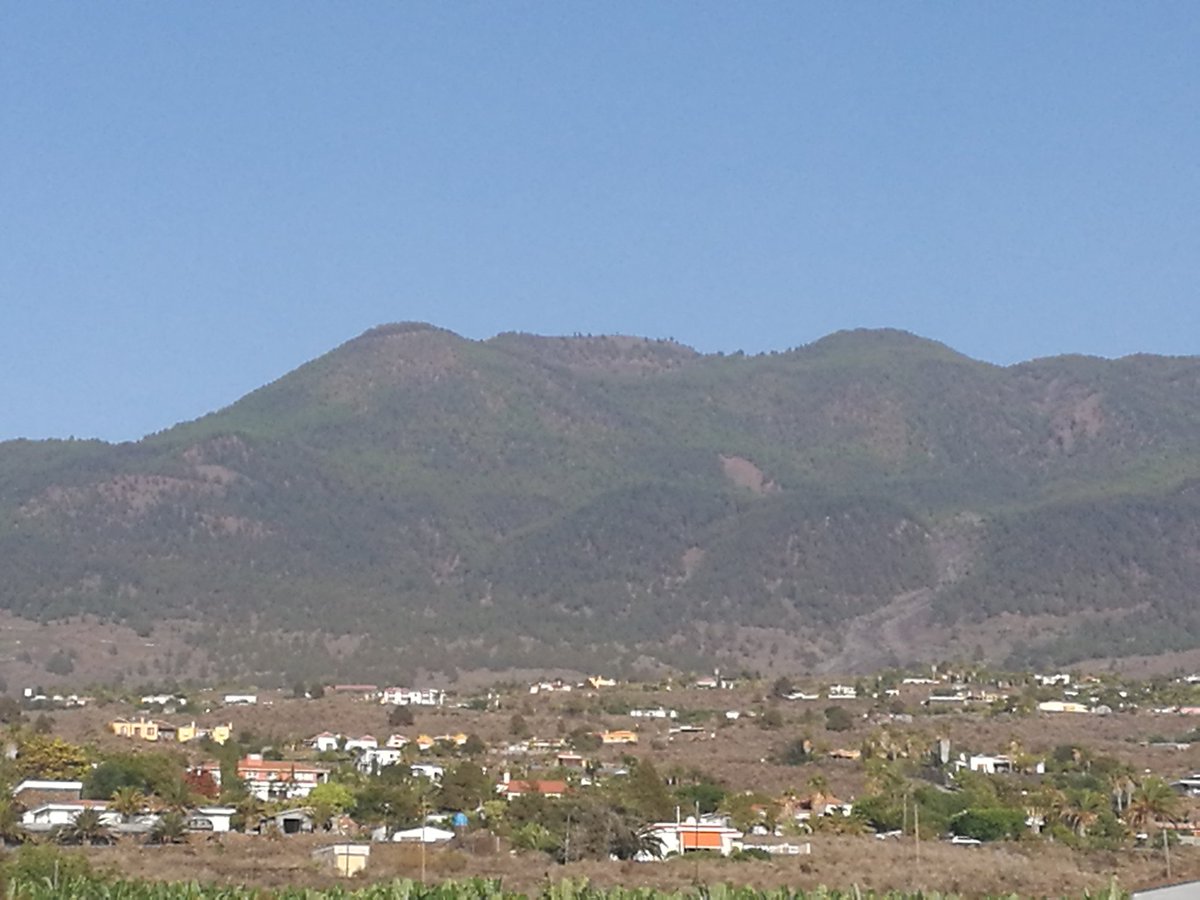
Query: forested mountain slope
{"points": [[414, 498]]}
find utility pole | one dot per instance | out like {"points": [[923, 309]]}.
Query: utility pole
{"points": [[424, 825], [917, 830], [1167, 853], [567, 843]]}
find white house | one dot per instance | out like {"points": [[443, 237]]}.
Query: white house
{"points": [[395, 696], [682, 837], [549, 687], [990, 765], [1062, 706], [1189, 786], [842, 692], [396, 741], [1063, 678], [657, 713], [163, 700], [48, 815], [428, 770], [377, 758], [240, 699], [365, 742], [325, 742]]}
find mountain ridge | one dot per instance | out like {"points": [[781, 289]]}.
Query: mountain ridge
{"points": [[527, 499]]}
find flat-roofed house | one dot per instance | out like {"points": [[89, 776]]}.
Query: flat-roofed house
{"points": [[689, 835], [140, 728]]}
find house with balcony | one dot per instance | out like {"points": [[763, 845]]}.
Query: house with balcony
{"points": [[279, 779]]}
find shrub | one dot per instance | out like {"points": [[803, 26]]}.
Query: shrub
{"points": [[837, 719], [60, 663], [989, 824]]}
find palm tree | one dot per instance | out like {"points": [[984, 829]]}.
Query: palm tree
{"points": [[1152, 801], [886, 780], [789, 805], [819, 794], [177, 795], [1122, 788], [88, 828], [1022, 759], [1048, 804], [171, 828], [128, 801], [1084, 810], [250, 810], [631, 842]]}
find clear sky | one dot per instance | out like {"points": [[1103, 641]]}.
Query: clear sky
{"points": [[197, 197]]}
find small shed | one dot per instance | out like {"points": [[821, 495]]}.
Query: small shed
{"points": [[345, 859], [212, 818]]}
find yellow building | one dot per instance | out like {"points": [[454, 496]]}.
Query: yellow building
{"points": [[424, 742], [345, 859], [220, 734], [142, 729], [619, 736]]}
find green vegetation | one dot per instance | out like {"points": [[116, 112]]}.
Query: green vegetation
{"points": [[583, 501], [1083, 800]]}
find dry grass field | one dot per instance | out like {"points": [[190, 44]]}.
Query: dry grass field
{"points": [[1034, 870]]}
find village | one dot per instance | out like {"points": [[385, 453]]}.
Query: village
{"points": [[575, 770]]}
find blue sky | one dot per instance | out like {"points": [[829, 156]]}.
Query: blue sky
{"points": [[196, 198]]}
